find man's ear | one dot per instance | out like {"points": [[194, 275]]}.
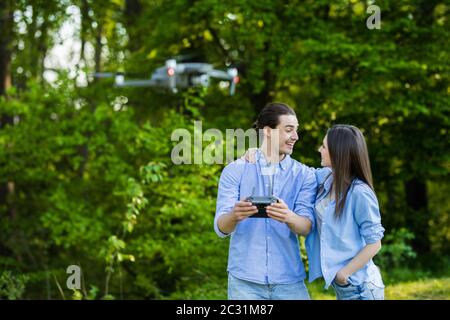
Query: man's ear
{"points": [[267, 131]]}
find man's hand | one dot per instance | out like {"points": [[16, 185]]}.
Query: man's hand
{"points": [[279, 211], [242, 210]]}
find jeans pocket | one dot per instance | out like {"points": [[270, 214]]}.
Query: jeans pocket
{"points": [[347, 292], [376, 292], [342, 286]]}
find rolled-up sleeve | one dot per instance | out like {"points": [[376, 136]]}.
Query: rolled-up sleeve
{"points": [[228, 193], [322, 174], [304, 202], [367, 214]]}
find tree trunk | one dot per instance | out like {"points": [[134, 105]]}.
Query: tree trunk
{"points": [[260, 99], [84, 149], [416, 188], [43, 49], [98, 48], [7, 187], [6, 23], [417, 219], [133, 9], [85, 26]]}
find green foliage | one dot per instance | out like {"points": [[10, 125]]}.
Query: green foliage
{"points": [[75, 185], [440, 217], [85, 171], [396, 250], [426, 289], [12, 287], [179, 220]]}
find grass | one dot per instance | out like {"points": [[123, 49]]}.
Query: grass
{"points": [[423, 289], [427, 289]]}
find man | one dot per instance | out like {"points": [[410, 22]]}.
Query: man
{"points": [[264, 258]]}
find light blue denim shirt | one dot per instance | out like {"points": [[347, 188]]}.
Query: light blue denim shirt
{"points": [[263, 250], [341, 240]]}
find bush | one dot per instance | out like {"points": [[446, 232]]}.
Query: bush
{"points": [[396, 250], [11, 287]]}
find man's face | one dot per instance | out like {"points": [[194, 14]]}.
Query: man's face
{"points": [[287, 133]]}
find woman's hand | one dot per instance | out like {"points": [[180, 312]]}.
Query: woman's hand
{"points": [[250, 155], [342, 277], [359, 261]]}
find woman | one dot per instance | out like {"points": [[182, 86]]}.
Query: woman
{"points": [[348, 230]]}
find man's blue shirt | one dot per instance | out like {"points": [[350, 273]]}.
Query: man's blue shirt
{"points": [[264, 250]]}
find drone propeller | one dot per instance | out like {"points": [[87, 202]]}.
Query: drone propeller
{"points": [[119, 77], [230, 75], [233, 72], [103, 75], [171, 66]]}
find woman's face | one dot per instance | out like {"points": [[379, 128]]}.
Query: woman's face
{"points": [[325, 156]]}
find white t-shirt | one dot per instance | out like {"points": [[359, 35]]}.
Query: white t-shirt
{"points": [[321, 206]]}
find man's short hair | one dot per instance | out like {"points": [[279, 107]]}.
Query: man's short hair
{"points": [[270, 115]]}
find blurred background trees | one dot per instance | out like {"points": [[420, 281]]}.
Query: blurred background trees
{"points": [[85, 170]]}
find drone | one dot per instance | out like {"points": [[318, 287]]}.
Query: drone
{"points": [[177, 75]]}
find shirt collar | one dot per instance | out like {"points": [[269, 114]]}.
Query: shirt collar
{"points": [[325, 185], [328, 182], [283, 164]]}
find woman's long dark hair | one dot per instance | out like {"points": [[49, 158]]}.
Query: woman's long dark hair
{"points": [[349, 160]]}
